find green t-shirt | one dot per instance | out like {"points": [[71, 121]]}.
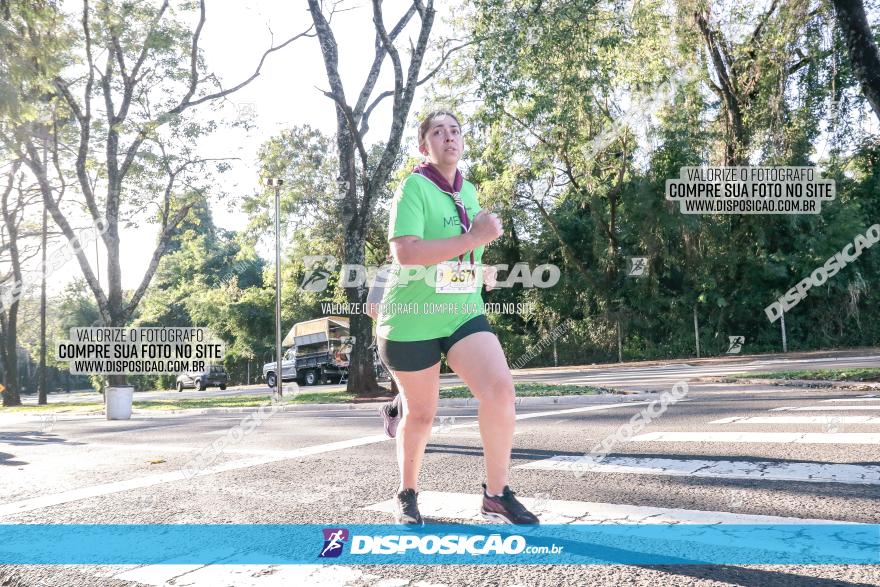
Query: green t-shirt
{"points": [[414, 310]]}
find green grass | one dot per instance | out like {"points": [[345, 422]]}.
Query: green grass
{"points": [[816, 375], [232, 401], [532, 390], [60, 408], [243, 401], [318, 397]]}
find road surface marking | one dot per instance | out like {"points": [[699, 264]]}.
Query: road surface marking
{"points": [[243, 575], [854, 399], [799, 420], [875, 408], [762, 437], [466, 506], [723, 469], [44, 501]]}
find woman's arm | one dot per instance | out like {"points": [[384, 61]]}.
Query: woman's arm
{"points": [[412, 250]]}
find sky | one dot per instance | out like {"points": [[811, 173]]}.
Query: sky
{"points": [[286, 93]]}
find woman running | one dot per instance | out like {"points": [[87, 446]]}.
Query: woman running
{"points": [[389, 411], [436, 225]]}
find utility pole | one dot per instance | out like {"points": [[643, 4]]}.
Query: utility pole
{"points": [[279, 379], [42, 392], [782, 326]]}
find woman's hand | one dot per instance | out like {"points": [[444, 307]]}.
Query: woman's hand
{"points": [[490, 276], [485, 227]]}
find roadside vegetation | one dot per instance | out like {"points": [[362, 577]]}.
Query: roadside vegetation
{"points": [[816, 375], [331, 396]]}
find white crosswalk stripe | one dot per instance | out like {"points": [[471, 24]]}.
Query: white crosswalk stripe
{"points": [[212, 575], [762, 437], [798, 420], [875, 408], [466, 506], [722, 469]]}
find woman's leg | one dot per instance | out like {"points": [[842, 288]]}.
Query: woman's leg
{"points": [[420, 391], [479, 360]]}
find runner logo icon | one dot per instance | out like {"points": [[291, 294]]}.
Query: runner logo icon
{"points": [[318, 269], [735, 344], [334, 540]]}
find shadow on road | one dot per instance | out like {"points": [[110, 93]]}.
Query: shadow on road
{"points": [[750, 577], [6, 459], [25, 438]]}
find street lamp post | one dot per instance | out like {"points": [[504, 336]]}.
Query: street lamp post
{"points": [[279, 381]]}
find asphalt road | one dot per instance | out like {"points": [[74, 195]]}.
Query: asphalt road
{"points": [[623, 376], [726, 453]]}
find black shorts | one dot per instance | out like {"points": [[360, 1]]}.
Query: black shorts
{"points": [[416, 355]]}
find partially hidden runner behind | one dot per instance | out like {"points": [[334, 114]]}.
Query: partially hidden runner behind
{"points": [[390, 412], [436, 225]]}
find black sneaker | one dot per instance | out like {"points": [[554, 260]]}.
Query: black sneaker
{"points": [[390, 418], [406, 508], [506, 509]]}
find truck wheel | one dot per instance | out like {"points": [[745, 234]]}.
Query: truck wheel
{"points": [[270, 379], [222, 388], [311, 377]]}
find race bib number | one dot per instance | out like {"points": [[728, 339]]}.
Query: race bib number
{"points": [[456, 277]]}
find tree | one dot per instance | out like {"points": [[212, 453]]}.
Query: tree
{"points": [[360, 183], [760, 63], [863, 53], [128, 104], [12, 208], [26, 69]]}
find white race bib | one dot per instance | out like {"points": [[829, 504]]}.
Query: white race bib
{"points": [[456, 277]]}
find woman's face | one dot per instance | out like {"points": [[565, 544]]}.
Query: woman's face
{"points": [[443, 143]]}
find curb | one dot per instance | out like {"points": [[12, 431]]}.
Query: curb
{"points": [[459, 402], [853, 385]]}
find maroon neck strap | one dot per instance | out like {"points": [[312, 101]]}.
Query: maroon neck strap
{"points": [[431, 173], [426, 169]]}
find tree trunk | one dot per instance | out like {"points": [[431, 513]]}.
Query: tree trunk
{"points": [[11, 395], [361, 372], [351, 126], [863, 53], [42, 398], [115, 300]]}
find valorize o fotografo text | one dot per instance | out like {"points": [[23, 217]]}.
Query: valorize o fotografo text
{"points": [[130, 351]]}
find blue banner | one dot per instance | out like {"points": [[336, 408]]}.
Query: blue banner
{"points": [[360, 544]]}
